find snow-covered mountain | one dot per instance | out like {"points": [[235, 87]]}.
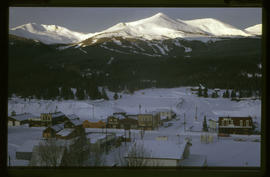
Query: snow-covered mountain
{"points": [[255, 30], [48, 34], [160, 26], [215, 27], [157, 27]]}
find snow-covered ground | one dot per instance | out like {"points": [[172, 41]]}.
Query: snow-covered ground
{"points": [[180, 100], [221, 152]]}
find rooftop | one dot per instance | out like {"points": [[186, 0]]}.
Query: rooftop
{"points": [[65, 132], [161, 149], [23, 116]]}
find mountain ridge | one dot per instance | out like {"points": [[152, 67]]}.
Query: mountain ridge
{"points": [[156, 27]]}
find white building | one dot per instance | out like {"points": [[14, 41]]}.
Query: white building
{"points": [[157, 153]]}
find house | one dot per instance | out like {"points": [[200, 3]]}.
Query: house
{"points": [[13, 122], [129, 122], [212, 125], [97, 124], [35, 121], [157, 153], [235, 125], [113, 121], [148, 121], [101, 141], [19, 119], [66, 133], [77, 125], [51, 131], [49, 119], [166, 114], [73, 117]]}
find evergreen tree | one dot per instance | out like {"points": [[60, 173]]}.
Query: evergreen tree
{"points": [[214, 94], [233, 94], [115, 96], [205, 92], [205, 124], [200, 91], [104, 94], [13, 113], [80, 93]]}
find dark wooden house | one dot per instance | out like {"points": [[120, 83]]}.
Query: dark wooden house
{"points": [[50, 132], [49, 119], [148, 121], [114, 120], [235, 125], [129, 122]]}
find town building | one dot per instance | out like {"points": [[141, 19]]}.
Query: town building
{"points": [[212, 125], [235, 125], [50, 132], [165, 114], [94, 124], [48, 119], [113, 121], [157, 153], [148, 121], [19, 119]]}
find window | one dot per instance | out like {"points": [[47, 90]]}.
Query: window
{"points": [[241, 122], [247, 123]]}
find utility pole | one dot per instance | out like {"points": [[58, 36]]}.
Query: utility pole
{"points": [[196, 112], [185, 122], [93, 111], [140, 106]]}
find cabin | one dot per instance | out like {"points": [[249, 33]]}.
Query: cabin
{"points": [[113, 121], [19, 119], [148, 121], [49, 119], [155, 153], [97, 124], [235, 125], [50, 132]]}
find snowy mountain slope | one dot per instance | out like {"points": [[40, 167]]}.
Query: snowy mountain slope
{"points": [[215, 27], [160, 27], [255, 30], [48, 34]]}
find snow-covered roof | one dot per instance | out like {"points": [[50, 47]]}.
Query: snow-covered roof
{"points": [[23, 116], [163, 110], [65, 132], [76, 122], [119, 116], [94, 137], [194, 160], [57, 114], [160, 149], [72, 116], [58, 127]]}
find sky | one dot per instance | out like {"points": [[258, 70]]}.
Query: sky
{"points": [[89, 20]]}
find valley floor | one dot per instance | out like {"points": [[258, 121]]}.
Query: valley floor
{"points": [[225, 151]]}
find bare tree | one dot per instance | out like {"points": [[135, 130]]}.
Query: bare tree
{"points": [[137, 155], [47, 153]]}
